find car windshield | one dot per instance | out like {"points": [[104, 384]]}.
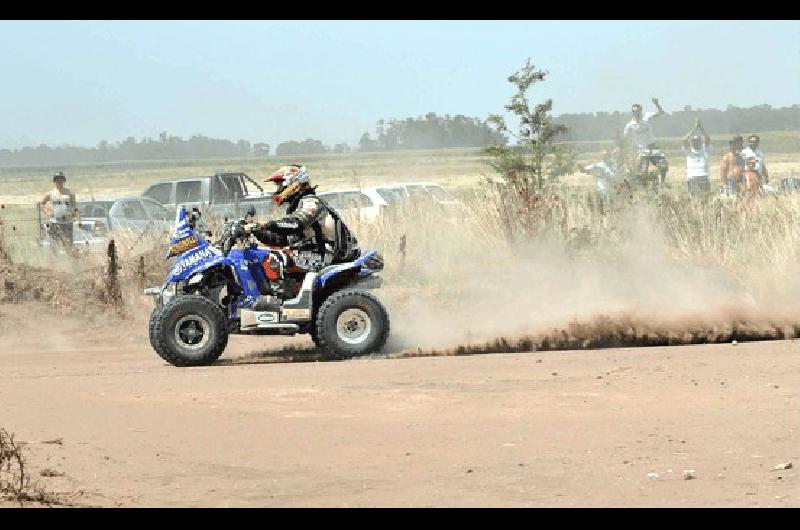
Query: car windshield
{"points": [[392, 197], [94, 208], [439, 193], [346, 200], [416, 190], [130, 210], [155, 211]]}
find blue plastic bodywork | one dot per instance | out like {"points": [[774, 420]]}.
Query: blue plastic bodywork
{"points": [[246, 264], [322, 279]]}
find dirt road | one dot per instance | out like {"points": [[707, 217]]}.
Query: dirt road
{"points": [[578, 428]]}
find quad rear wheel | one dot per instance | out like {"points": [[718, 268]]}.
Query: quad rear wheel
{"points": [[351, 323]]}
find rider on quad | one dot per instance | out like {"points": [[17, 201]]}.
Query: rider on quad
{"points": [[642, 132], [316, 234], [316, 282]]}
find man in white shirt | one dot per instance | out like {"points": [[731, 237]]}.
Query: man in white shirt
{"points": [[640, 130], [752, 150], [61, 206], [697, 149]]}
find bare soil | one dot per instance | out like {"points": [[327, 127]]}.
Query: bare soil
{"points": [[108, 423]]}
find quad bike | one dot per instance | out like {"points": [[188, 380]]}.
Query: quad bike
{"points": [[235, 287]]}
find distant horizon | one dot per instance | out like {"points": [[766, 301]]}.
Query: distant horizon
{"points": [[35, 144]]}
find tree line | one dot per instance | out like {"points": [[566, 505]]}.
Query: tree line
{"points": [[165, 147], [430, 132], [309, 146], [426, 132], [740, 120]]}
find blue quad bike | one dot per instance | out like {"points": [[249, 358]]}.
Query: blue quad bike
{"points": [[212, 291]]}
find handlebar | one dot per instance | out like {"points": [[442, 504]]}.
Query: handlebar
{"points": [[232, 231]]}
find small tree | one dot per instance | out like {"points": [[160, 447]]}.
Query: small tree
{"points": [[536, 157]]}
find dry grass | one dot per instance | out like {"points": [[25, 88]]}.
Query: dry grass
{"points": [[556, 271], [15, 478]]}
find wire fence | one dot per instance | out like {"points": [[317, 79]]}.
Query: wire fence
{"points": [[25, 237], [24, 220]]}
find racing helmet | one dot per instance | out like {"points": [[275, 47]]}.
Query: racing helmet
{"points": [[289, 181]]}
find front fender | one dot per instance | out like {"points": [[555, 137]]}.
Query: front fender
{"points": [[194, 261]]}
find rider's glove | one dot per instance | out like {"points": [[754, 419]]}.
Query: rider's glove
{"points": [[269, 238]]}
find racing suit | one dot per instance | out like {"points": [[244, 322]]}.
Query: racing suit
{"points": [[316, 233]]}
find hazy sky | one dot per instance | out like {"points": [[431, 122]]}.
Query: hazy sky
{"points": [[79, 82]]}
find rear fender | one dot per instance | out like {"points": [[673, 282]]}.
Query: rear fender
{"points": [[368, 263], [336, 277]]}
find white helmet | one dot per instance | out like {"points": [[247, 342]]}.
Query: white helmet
{"points": [[289, 180]]}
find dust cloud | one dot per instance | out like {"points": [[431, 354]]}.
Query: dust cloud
{"points": [[544, 297]]}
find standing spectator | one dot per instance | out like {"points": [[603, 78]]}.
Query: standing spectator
{"points": [[752, 150], [641, 131], [61, 206], [752, 177], [732, 167], [697, 148]]}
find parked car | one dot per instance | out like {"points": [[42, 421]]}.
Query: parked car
{"points": [[99, 218], [355, 204], [431, 191], [95, 209], [373, 202], [391, 195], [223, 194], [139, 214], [422, 194]]}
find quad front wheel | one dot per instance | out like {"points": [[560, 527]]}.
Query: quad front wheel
{"points": [[189, 331]]}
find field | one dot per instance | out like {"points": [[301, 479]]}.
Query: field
{"points": [[456, 168], [575, 412]]}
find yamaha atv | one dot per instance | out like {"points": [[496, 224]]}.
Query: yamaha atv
{"points": [[235, 287]]}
